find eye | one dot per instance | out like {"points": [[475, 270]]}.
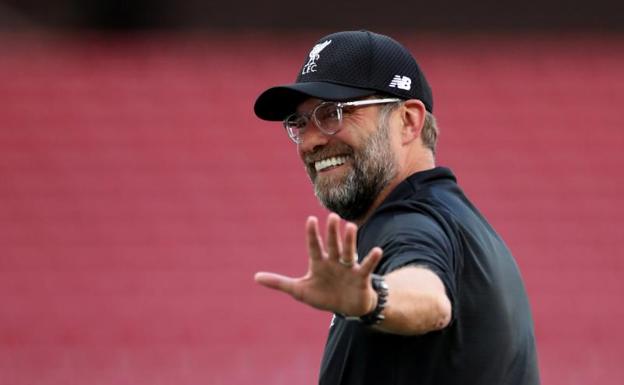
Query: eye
{"points": [[297, 121], [300, 122], [328, 112]]}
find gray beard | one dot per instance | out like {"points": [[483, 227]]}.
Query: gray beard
{"points": [[372, 170]]}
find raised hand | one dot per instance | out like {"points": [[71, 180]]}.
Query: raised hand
{"points": [[335, 281]]}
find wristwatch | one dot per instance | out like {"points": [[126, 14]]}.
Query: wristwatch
{"points": [[375, 316]]}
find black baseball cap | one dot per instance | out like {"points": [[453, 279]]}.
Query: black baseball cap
{"points": [[345, 66]]}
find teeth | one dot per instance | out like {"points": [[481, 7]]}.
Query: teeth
{"points": [[329, 162]]}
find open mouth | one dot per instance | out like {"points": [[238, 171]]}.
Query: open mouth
{"points": [[328, 163]]}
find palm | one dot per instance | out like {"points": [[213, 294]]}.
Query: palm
{"points": [[335, 281]]}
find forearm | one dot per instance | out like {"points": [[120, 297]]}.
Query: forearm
{"points": [[417, 302]]}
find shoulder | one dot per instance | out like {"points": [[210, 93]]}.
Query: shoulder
{"points": [[409, 236], [406, 218], [422, 201]]}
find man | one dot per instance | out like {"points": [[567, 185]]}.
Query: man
{"points": [[425, 291]]}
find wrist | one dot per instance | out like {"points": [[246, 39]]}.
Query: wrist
{"points": [[380, 287], [375, 316]]}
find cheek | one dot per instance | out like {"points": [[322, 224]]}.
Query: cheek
{"points": [[355, 133], [360, 126]]}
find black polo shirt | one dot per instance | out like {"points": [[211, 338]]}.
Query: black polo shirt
{"points": [[427, 220]]}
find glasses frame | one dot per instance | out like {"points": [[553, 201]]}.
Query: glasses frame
{"points": [[296, 136]]}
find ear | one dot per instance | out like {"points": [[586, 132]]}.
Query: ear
{"points": [[413, 118]]}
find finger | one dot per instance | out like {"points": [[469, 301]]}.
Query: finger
{"points": [[276, 281], [371, 261], [350, 248], [334, 244], [314, 241]]}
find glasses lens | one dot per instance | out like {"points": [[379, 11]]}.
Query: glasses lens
{"points": [[328, 117], [294, 125]]}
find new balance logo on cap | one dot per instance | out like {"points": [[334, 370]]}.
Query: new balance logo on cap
{"points": [[314, 56], [402, 82]]}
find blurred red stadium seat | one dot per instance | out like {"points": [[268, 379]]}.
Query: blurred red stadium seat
{"points": [[138, 195]]}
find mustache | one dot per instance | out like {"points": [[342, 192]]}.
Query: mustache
{"points": [[327, 152]]}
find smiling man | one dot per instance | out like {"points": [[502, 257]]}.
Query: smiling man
{"points": [[435, 296]]}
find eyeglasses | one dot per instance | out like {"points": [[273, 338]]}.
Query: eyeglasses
{"points": [[327, 116]]}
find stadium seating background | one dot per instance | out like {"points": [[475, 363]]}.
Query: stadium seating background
{"points": [[139, 194]]}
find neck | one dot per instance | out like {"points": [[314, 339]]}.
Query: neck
{"points": [[423, 163]]}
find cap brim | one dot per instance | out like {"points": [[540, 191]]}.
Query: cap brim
{"points": [[277, 103]]}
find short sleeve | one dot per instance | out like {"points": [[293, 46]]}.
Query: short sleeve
{"points": [[415, 238]]}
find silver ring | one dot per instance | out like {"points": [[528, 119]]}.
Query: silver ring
{"points": [[348, 263], [345, 263]]}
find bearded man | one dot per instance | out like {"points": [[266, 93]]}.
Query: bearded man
{"points": [[421, 287]]}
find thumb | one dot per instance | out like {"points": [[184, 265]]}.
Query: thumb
{"points": [[275, 281]]}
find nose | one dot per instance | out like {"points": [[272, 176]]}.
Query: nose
{"points": [[312, 138]]}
